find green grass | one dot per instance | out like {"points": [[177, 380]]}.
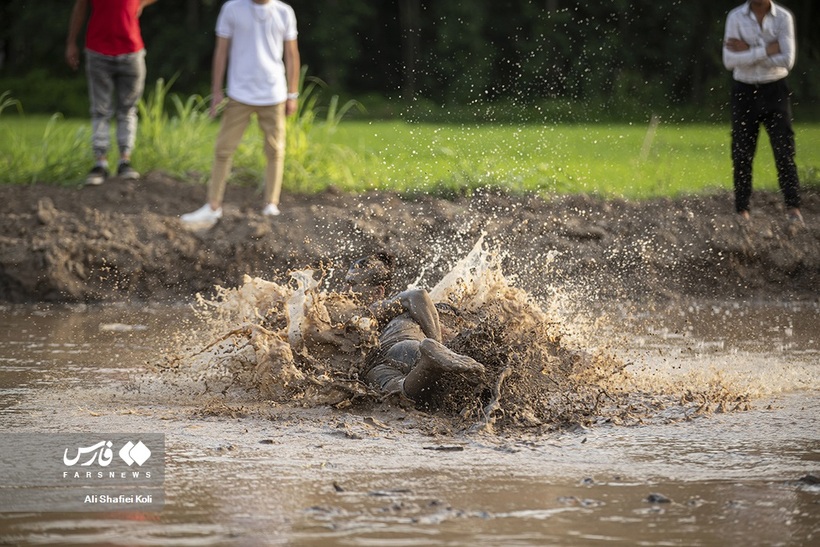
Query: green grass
{"points": [[611, 160]]}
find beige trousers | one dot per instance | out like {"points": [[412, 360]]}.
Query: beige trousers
{"points": [[235, 119]]}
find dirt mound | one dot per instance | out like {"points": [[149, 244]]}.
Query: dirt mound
{"points": [[123, 240]]}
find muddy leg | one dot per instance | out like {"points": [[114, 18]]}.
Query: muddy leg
{"points": [[436, 360]]}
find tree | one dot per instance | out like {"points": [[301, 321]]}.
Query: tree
{"points": [[453, 52], [410, 18]]}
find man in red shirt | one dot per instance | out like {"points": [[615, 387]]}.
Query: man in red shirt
{"points": [[115, 68]]}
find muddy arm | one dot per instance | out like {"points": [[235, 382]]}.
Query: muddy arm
{"points": [[418, 304]]}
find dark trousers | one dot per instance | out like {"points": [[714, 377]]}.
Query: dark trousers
{"points": [[766, 104]]}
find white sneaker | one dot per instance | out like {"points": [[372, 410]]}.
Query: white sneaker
{"points": [[203, 215], [271, 210]]}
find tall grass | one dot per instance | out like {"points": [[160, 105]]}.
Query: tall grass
{"points": [[7, 101], [173, 132], [55, 152], [176, 134]]}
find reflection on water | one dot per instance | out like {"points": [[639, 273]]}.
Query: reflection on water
{"points": [[291, 476], [76, 346]]}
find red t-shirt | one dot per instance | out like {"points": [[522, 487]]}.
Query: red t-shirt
{"points": [[114, 28]]}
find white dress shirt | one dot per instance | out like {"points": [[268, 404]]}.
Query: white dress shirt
{"points": [[754, 66]]}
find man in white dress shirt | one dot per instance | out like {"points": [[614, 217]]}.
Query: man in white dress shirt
{"points": [[759, 49]]}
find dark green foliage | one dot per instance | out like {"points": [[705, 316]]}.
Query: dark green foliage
{"points": [[41, 91], [619, 56]]}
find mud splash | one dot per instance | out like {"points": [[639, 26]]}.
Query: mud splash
{"points": [[302, 342]]}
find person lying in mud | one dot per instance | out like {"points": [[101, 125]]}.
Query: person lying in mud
{"points": [[410, 358]]}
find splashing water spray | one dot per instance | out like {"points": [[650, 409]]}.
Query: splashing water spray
{"points": [[300, 342]]}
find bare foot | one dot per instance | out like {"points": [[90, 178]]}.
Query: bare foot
{"points": [[796, 223], [446, 359], [795, 216], [744, 220]]}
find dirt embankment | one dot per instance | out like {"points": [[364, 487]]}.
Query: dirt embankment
{"points": [[123, 240]]}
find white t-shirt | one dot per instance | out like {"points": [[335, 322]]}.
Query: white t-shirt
{"points": [[256, 70]]}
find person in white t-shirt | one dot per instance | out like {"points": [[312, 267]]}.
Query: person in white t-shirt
{"points": [[256, 45]]}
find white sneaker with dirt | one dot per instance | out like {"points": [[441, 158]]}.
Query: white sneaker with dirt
{"points": [[96, 176], [271, 210], [125, 171], [202, 216]]}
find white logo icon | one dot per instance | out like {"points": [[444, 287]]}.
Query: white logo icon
{"points": [[135, 453]]}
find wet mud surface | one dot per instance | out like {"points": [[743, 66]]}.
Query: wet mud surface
{"points": [[244, 472], [723, 436], [124, 241]]}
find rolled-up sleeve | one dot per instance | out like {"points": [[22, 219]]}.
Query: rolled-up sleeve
{"points": [[788, 50]]}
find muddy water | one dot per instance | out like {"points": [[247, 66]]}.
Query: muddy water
{"points": [[243, 472]]}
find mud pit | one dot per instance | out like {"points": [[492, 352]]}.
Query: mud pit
{"points": [[305, 344], [123, 241], [585, 312]]}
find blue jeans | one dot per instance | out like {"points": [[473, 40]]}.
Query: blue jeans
{"points": [[119, 79]]}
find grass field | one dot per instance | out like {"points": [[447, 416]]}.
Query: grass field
{"points": [[626, 160], [610, 160]]}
